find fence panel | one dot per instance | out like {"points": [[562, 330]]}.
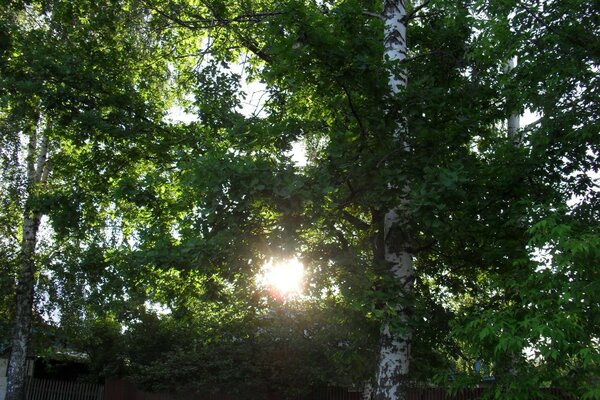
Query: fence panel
{"points": [[468, 394], [117, 389], [46, 389]]}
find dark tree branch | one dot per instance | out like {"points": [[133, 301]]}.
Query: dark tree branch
{"points": [[404, 148], [200, 22], [374, 15], [240, 18], [353, 110], [172, 18], [253, 47], [409, 16], [355, 221], [340, 236], [424, 247]]}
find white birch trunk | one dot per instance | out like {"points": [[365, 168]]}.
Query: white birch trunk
{"points": [[37, 173], [394, 354], [367, 391], [513, 124], [514, 120]]}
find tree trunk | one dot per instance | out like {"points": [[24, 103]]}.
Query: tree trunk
{"points": [[513, 124], [394, 353], [367, 391], [514, 121], [17, 366], [37, 173]]}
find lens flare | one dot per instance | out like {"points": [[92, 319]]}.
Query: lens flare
{"points": [[283, 278]]}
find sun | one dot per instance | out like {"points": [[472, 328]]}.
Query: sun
{"points": [[284, 278]]}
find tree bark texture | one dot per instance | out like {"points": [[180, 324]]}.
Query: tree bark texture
{"points": [[17, 366], [391, 379], [37, 173]]}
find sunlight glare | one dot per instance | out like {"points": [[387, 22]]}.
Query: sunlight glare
{"points": [[284, 278]]}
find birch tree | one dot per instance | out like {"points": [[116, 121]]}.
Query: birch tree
{"points": [[400, 178], [30, 131], [394, 354], [38, 170], [455, 199], [61, 95]]}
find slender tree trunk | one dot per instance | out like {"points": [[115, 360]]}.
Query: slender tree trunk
{"points": [[367, 391], [513, 124], [513, 128], [514, 121], [37, 173], [17, 366], [394, 353]]}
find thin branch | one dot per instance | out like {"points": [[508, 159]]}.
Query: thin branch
{"points": [[405, 147], [240, 18], [414, 11], [199, 21], [427, 246], [354, 111], [170, 17], [341, 238], [253, 47], [374, 15], [357, 222]]}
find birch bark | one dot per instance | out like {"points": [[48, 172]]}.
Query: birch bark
{"points": [[514, 120], [37, 174], [513, 124], [394, 353], [367, 391]]}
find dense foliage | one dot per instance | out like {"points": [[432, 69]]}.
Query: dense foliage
{"points": [[156, 226]]}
